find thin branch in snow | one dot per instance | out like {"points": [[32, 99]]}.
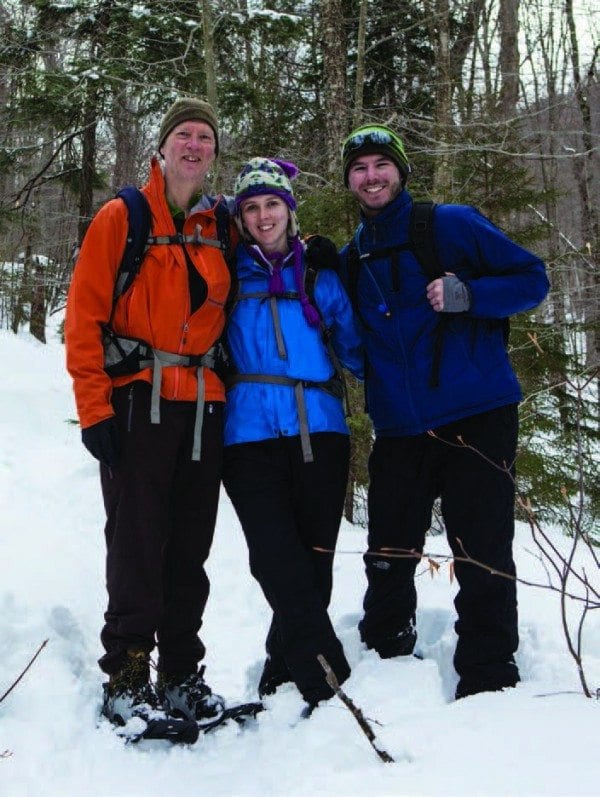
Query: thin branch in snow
{"points": [[34, 657], [354, 710]]}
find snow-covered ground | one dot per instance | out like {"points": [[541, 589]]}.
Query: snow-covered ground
{"points": [[538, 739]]}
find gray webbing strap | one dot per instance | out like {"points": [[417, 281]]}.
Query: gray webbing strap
{"points": [[166, 358], [277, 324], [197, 444], [298, 386], [281, 350], [196, 238], [307, 453]]}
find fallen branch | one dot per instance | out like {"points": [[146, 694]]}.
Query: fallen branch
{"points": [[34, 657], [355, 711]]}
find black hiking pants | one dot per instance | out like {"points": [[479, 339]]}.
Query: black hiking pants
{"points": [[477, 502], [287, 507], [161, 510]]}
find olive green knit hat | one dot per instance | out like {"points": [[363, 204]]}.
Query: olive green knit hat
{"points": [[372, 139], [183, 110]]}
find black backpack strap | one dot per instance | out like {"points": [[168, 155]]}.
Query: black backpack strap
{"points": [[421, 236], [139, 221], [310, 278], [352, 271], [223, 218]]}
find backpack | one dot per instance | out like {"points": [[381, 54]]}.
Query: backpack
{"points": [[421, 242], [126, 355], [335, 385], [139, 238]]}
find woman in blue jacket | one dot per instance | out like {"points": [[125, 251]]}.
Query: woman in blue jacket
{"points": [[286, 438]]}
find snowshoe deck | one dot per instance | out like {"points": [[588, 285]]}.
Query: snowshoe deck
{"points": [[239, 714]]}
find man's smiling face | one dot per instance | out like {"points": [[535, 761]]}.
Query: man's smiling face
{"points": [[375, 181]]}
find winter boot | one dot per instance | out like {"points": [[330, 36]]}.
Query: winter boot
{"points": [[487, 678], [274, 674], [129, 692], [189, 697], [400, 644]]}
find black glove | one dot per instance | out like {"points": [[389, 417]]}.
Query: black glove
{"points": [[321, 252], [102, 441], [457, 296]]}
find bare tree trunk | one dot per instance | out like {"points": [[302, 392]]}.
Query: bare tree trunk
{"points": [[23, 295], [37, 318], [360, 65], [509, 58], [584, 173], [88, 162], [126, 132], [334, 74], [442, 178], [209, 54]]}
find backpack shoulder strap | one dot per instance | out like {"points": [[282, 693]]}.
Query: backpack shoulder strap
{"points": [[138, 230], [421, 234], [223, 219], [352, 269]]}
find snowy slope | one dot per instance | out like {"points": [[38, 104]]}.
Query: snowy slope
{"points": [[538, 739]]}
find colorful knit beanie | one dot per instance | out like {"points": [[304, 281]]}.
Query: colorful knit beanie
{"points": [[271, 176], [186, 109], [372, 139]]}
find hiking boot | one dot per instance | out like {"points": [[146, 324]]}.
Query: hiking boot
{"points": [[274, 674], [493, 678], [400, 644], [189, 697], [129, 693]]}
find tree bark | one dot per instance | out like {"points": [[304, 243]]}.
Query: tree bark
{"points": [[333, 40]]}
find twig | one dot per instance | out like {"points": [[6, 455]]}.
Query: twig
{"points": [[35, 655], [355, 711]]}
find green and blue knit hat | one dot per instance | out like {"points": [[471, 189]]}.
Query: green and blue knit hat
{"points": [[372, 139]]}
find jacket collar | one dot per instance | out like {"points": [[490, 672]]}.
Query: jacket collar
{"points": [[380, 226]]}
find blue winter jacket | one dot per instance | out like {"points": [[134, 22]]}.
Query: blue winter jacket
{"points": [[259, 411], [475, 372]]}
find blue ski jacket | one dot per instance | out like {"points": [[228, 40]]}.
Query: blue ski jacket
{"points": [[475, 372], [260, 411]]}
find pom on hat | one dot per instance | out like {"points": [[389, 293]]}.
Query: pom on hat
{"points": [[266, 176], [186, 109]]}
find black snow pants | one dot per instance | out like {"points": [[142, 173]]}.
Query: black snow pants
{"points": [[477, 502], [286, 507], [161, 510]]}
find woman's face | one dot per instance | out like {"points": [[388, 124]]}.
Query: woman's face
{"points": [[266, 219]]}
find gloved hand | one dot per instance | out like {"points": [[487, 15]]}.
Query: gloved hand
{"points": [[321, 252], [102, 441], [449, 295], [457, 296]]}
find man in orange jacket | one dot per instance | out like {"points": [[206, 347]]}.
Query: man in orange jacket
{"points": [[147, 427]]}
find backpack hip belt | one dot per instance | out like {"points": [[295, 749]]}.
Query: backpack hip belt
{"points": [[332, 386], [124, 355]]}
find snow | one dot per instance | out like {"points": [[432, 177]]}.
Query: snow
{"points": [[534, 740]]}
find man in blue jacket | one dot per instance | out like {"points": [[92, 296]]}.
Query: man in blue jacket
{"points": [[443, 399]]}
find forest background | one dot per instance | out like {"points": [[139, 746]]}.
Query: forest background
{"points": [[497, 101]]}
